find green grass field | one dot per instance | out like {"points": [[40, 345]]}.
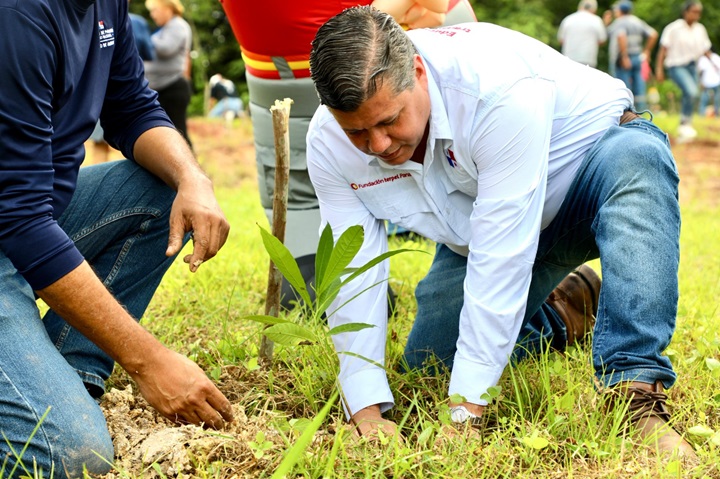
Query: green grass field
{"points": [[550, 421]]}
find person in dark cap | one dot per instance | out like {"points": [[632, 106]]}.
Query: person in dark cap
{"points": [[631, 44]]}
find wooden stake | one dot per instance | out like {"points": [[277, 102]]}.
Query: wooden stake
{"points": [[281, 120]]}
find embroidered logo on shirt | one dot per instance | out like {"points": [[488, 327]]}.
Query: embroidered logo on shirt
{"points": [[379, 181], [449, 31], [451, 158], [107, 35]]}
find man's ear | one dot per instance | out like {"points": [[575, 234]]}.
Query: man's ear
{"points": [[420, 71]]}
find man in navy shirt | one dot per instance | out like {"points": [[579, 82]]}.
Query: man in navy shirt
{"points": [[92, 243]]}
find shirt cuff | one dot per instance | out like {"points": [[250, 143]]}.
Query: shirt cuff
{"points": [[472, 380], [366, 388]]}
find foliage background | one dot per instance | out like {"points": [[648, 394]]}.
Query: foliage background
{"points": [[215, 49]]}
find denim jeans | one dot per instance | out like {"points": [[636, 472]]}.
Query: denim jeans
{"points": [[119, 220], [632, 77], [623, 208], [685, 77], [227, 104], [705, 100]]}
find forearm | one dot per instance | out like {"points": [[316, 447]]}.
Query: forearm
{"points": [[650, 44], [659, 67], [171, 383], [83, 301], [437, 6], [622, 45], [164, 152]]}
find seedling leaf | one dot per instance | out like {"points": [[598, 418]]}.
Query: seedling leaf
{"points": [[350, 328], [285, 263], [289, 334], [342, 254], [324, 251]]}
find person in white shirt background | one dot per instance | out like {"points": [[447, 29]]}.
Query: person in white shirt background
{"points": [[581, 33], [682, 43], [709, 72], [521, 165]]}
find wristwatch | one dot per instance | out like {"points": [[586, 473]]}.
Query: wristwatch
{"points": [[461, 415]]}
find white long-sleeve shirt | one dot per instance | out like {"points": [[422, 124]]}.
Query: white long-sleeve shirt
{"points": [[511, 120]]}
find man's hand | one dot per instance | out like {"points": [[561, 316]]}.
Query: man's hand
{"points": [[195, 210], [181, 391], [163, 152], [369, 421], [170, 382]]}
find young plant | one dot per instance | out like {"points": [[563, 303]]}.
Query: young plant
{"points": [[331, 274]]}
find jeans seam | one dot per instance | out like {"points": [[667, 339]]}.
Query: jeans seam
{"points": [[115, 217], [41, 428], [124, 252]]}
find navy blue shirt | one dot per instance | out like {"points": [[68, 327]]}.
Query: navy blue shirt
{"points": [[65, 63]]}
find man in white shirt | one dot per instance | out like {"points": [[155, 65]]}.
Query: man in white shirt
{"points": [[520, 173], [581, 33]]}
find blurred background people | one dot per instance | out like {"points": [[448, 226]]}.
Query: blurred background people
{"points": [[581, 33], [631, 43], [224, 99], [141, 33], [169, 74], [709, 71], [682, 43]]}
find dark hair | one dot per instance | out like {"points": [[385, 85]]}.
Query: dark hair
{"points": [[354, 52], [688, 4]]}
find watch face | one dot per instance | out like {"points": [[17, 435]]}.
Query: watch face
{"points": [[459, 414]]}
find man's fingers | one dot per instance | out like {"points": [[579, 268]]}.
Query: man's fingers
{"points": [[207, 241], [200, 246], [175, 240], [221, 405]]}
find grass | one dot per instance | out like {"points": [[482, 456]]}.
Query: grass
{"points": [[549, 420]]}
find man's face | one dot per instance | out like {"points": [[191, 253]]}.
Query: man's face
{"points": [[693, 14], [390, 126]]}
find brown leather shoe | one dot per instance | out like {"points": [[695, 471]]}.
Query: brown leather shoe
{"points": [[575, 300], [649, 415]]}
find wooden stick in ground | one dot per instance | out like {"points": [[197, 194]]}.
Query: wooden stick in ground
{"points": [[280, 119]]}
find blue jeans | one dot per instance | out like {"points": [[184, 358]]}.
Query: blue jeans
{"points": [[119, 220], [623, 208], [685, 77], [705, 99], [225, 105], [632, 77]]}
